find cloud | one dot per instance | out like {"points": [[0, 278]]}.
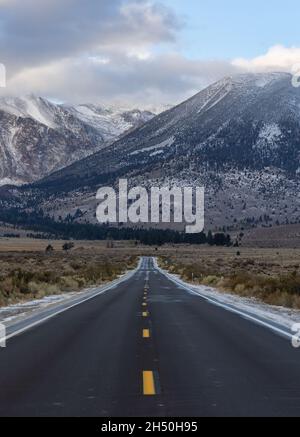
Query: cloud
{"points": [[277, 58], [110, 51], [126, 79], [120, 50], [35, 32]]}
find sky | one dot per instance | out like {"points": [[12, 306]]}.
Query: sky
{"points": [[142, 53], [233, 28]]}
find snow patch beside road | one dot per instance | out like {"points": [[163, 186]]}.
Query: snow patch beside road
{"points": [[11, 312]]}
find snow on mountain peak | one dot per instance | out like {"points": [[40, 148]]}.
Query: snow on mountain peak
{"points": [[38, 137], [37, 108], [113, 121], [259, 80]]}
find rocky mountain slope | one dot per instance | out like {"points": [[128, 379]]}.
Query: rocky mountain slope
{"points": [[240, 138], [38, 137]]}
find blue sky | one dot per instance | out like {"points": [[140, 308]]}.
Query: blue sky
{"points": [[235, 28]]}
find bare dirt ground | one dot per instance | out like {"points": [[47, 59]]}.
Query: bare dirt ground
{"points": [[278, 236]]}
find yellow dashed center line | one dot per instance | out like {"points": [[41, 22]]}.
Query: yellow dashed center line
{"points": [[144, 304], [146, 333], [148, 383]]}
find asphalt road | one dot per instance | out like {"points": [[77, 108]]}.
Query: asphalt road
{"points": [[149, 348]]}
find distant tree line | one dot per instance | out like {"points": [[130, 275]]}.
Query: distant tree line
{"points": [[8, 235], [38, 222]]}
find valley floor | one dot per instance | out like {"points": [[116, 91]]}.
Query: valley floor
{"points": [[29, 274]]}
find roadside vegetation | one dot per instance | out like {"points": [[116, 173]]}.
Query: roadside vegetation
{"points": [[274, 281], [34, 268], [35, 275]]}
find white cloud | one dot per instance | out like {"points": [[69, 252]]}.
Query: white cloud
{"points": [[104, 52], [35, 33], [110, 51], [143, 81], [277, 58]]}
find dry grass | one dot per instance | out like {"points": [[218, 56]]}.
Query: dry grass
{"points": [[272, 276], [30, 275], [37, 245], [26, 272]]}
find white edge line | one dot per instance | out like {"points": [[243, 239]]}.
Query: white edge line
{"points": [[223, 305], [44, 319]]}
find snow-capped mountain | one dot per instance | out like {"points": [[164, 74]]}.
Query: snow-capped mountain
{"points": [[38, 137], [240, 138], [112, 122]]}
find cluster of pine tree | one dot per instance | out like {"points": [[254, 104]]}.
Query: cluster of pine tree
{"points": [[38, 222]]}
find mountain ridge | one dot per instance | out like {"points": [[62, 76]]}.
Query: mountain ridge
{"points": [[38, 136], [240, 138], [180, 117]]}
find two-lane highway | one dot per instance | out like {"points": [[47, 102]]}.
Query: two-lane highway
{"points": [[149, 348]]}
